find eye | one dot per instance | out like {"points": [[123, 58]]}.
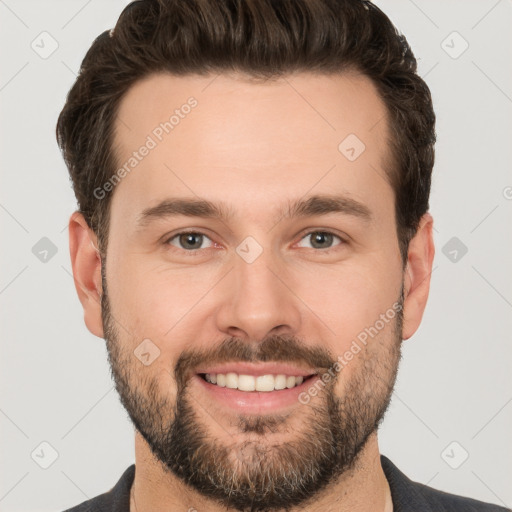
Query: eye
{"points": [[192, 241], [188, 240], [322, 239]]}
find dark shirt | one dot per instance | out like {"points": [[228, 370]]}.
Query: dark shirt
{"points": [[407, 496]]}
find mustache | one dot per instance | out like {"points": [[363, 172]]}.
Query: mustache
{"points": [[275, 348]]}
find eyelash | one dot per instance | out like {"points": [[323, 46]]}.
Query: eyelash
{"points": [[194, 252]]}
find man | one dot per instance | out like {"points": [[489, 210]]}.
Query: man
{"points": [[253, 242]]}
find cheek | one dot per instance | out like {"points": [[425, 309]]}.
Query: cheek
{"points": [[154, 302], [351, 298]]}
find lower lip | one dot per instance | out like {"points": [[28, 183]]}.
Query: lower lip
{"points": [[257, 402]]}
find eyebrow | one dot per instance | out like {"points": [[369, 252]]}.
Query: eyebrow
{"points": [[312, 206]]}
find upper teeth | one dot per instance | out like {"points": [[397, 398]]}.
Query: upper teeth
{"points": [[251, 383]]}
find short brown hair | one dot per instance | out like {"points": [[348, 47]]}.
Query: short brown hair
{"points": [[263, 39]]}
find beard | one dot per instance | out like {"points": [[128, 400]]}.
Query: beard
{"points": [[249, 472]]}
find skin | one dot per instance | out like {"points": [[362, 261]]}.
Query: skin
{"points": [[254, 146]]}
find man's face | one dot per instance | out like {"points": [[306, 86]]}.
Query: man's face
{"points": [[262, 285]]}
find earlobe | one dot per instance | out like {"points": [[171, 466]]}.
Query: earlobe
{"points": [[417, 276], [86, 265]]}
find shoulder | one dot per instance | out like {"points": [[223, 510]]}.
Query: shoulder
{"points": [[98, 504], [117, 499], [440, 500], [410, 496]]}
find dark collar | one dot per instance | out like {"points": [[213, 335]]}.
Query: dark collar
{"points": [[404, 492], [120, 493]]}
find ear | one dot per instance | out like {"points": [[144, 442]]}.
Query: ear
{"points": [[86, 265], [417, 275]]}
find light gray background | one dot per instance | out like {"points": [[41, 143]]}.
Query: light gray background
{"points": [[455, 381]]}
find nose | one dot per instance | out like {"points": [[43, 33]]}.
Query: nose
{"points": [[257, 299]]}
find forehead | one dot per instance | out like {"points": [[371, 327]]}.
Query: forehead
{"points": [[248, 143]]}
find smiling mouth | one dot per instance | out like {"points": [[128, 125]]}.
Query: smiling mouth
{"points": [[252, 383]]}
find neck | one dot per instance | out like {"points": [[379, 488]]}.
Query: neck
{"points": [[363, 488]]}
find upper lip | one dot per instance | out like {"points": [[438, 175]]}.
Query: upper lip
{"points": [[257, 369]]}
